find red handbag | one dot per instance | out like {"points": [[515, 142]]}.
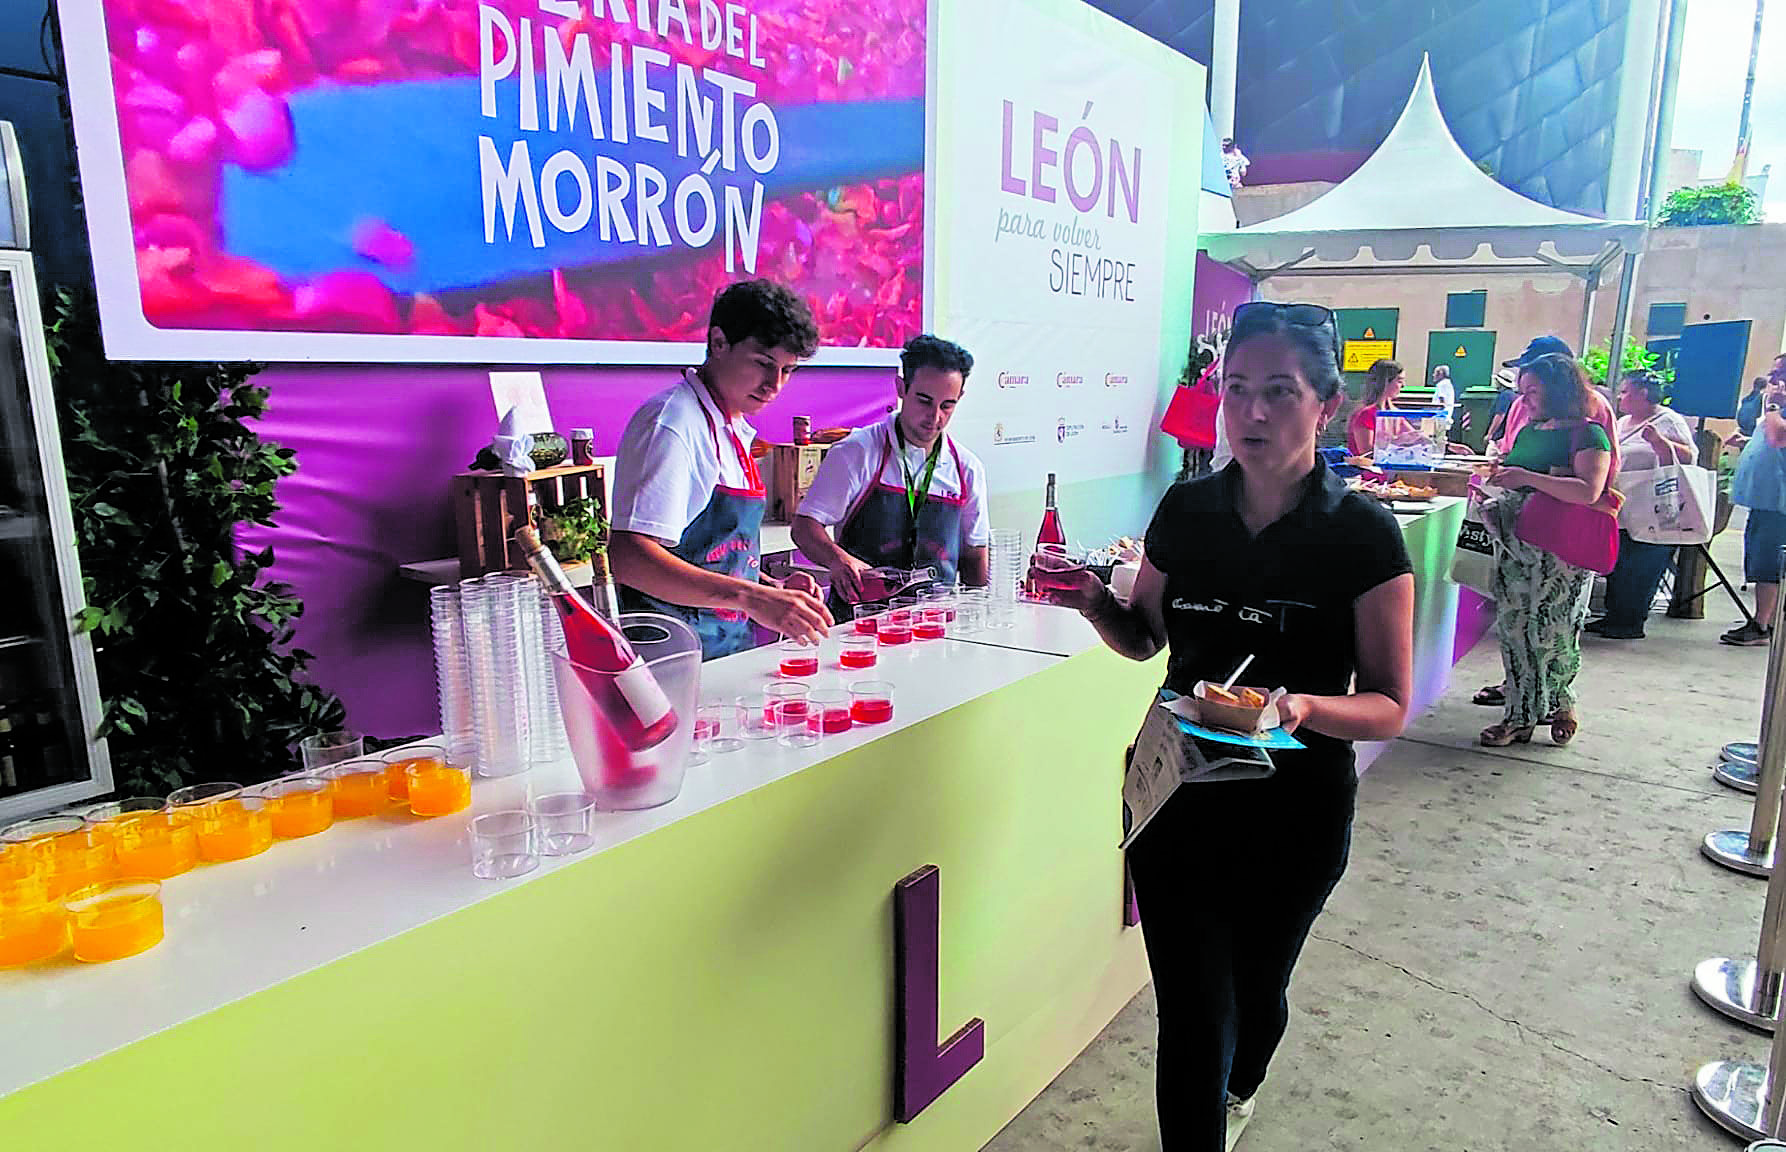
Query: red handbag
{"points": [[1190, 417], [1585, 535]]}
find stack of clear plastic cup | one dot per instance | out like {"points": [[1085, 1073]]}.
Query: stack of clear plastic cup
{"points": [[1009, 564], [546, 721], [452, 672], [491, 609]]}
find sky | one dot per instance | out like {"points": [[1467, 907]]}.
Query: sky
{"points": [[1708, 106]]}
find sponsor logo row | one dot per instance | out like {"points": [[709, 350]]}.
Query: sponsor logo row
{"points": [[1004, 434], [1061, 380]]}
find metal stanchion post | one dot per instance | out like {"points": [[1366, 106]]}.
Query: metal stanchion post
{"points": [[1734, 1093], [1749, 990], [1752, 852], [1738, 766]]}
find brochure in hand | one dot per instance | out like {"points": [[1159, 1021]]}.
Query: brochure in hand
{"points": [[1173, 750]]}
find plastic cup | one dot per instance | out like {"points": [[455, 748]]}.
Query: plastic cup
{"points": [[754, 720], [791, 693], [361, 788], [328, 748], [563, 822], [230, 826], [858, 652], [790, 722], [112, 921], [155, 845], [398, 761], [828, 712], [438, 788], [895, 629], [970, 616], [939, 596], [502, 843], [298, 806], [21, 862], [903, 608], [103, 818], [69, 852], [716, 723], [871, 702], [932, 623], [1055, 568], [867, 613], [33, 924], [798, 658]]}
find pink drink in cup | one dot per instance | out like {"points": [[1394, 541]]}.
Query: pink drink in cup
{"points": [[871, 702]]}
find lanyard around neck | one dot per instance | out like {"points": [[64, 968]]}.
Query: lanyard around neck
{"points": [[916, 494]]}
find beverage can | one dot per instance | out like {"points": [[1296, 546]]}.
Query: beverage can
{"points": [[803, 430], [582, 446]]}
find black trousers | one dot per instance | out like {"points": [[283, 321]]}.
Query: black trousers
{"points": [[1229, 878], [1631, 586]]}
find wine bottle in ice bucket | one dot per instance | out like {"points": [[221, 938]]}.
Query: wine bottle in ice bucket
{"points": [[622, 685]]}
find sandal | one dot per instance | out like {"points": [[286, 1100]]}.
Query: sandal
{"points": [[1563, 727], [1493, 696], [1502, 735]]}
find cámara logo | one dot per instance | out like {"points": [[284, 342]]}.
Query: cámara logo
{"points": [[1114, 380], [1012, 380], [1067, 380]]}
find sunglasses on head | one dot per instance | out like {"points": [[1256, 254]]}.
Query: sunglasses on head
{"points": [[1301, 315]]}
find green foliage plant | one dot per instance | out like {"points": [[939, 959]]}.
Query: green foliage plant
{"points": [[193, 643], [1719, 204]]}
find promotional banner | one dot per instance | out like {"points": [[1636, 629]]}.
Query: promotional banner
{"points": [[540, 181], [1066, 181]]}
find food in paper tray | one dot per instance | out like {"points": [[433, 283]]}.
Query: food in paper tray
{"points": [[829, 435], [1391, 490], [1245, 710], [1240, 698]]}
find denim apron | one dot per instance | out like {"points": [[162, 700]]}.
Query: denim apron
{"points": [[725, 538], [883, 531]]}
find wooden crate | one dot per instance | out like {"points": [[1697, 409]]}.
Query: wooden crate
{"points": [[488, 507], [791, 471]]}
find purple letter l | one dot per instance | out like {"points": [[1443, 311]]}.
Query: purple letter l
{"points": [[924, 1071]]}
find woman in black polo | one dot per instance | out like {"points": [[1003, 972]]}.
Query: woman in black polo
{"points": [[1271, 557]]}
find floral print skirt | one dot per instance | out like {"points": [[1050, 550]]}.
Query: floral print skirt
{"points": [[1541, 603]]}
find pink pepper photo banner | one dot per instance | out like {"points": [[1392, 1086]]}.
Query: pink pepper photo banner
{"points": [[521, 181]]}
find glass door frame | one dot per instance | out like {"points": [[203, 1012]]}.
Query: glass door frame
{"points": [[16, 266]]}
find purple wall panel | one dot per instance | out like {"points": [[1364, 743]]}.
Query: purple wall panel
{"points": [[1219, 290], [376, 449]]}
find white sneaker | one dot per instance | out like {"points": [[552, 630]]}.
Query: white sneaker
{"points": [[1240, 1113]]}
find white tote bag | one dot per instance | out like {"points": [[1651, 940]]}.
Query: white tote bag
{"points": [[1473, 563], [1668, 504]]}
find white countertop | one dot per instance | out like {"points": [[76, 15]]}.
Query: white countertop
{"points": [[236, 929]]}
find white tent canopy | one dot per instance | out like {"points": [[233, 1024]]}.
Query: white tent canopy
{"points": [[1419, 204]]}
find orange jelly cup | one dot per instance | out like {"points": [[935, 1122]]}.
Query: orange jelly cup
{"points": [[33, 926], [155, 845], [298, 806], [360, 787], [398, 762], [112, 921], [439, 789]]}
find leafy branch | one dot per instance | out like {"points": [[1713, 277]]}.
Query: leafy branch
{"points": [[193, 642]]}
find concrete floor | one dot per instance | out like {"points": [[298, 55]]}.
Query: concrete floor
{"points": [[1506, 964]]}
